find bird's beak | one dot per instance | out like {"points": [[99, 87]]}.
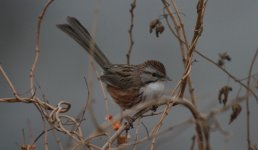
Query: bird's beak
{"points": [[167, 78]]}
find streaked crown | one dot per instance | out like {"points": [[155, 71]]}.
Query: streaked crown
{"points": [[153, 71]]}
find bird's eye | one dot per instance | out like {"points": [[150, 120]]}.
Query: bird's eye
{"points": [[154, 74]]}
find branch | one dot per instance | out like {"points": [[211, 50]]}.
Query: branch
{"points": [[197, 33], [182, 39], [130, 31], [247, 101], [9, 82], [228, 73], [143, 108], [37, 48]]}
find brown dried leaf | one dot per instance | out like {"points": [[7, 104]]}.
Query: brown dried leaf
{"points": [[222, 58], [159, 29], [223, 94], [236, 109], [225, 56], [153, 24]]}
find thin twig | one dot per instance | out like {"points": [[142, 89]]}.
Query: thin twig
{"points": [[247, 102], [91, 65], [130, 31], [34, 65], [181, 24], [87, 102], [42, 133], [177, 27], [197, 33], [44, 115], [193, 142], [9, 82], [158, 125], [81, 115], [228, 73], [171, 28], [164, 131], [137, 133], [37, 48], [114, 137], [181, 36], [102, 85]]}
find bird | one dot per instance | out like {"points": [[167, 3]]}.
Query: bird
{"points": [[127, 84]]}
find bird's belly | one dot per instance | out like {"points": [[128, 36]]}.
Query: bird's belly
{"points": [[153, 91]]}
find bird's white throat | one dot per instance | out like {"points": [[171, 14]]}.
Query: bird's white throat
{"points": [[153, 90]]}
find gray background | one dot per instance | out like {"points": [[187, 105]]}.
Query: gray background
{"points": [[229, 26]]}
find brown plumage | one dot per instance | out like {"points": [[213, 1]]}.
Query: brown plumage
{"points": [[126, 84]]}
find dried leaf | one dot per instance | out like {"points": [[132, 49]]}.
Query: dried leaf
{"points": [[159, 29], [225, 56], [223, 94], [236, 109], [222, 58], [153, 24]]}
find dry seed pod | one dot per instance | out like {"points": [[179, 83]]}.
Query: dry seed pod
{"points": [[222, 58], [153, 24], [225, 56]]}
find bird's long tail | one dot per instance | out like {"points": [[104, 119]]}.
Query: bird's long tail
{"points": [[81, 35]]}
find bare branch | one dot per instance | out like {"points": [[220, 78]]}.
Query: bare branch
{"points": [[228, 73], [130, 31], [247, 101], [37, 48]]}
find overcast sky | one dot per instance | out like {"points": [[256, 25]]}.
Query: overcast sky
{"points": [[229, 26]]}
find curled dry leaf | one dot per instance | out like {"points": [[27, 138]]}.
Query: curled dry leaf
{"points": [[222, 58], [153, 24], [223, 94], [225, 56], [159, 29], [236, 109], [157, 26]]}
